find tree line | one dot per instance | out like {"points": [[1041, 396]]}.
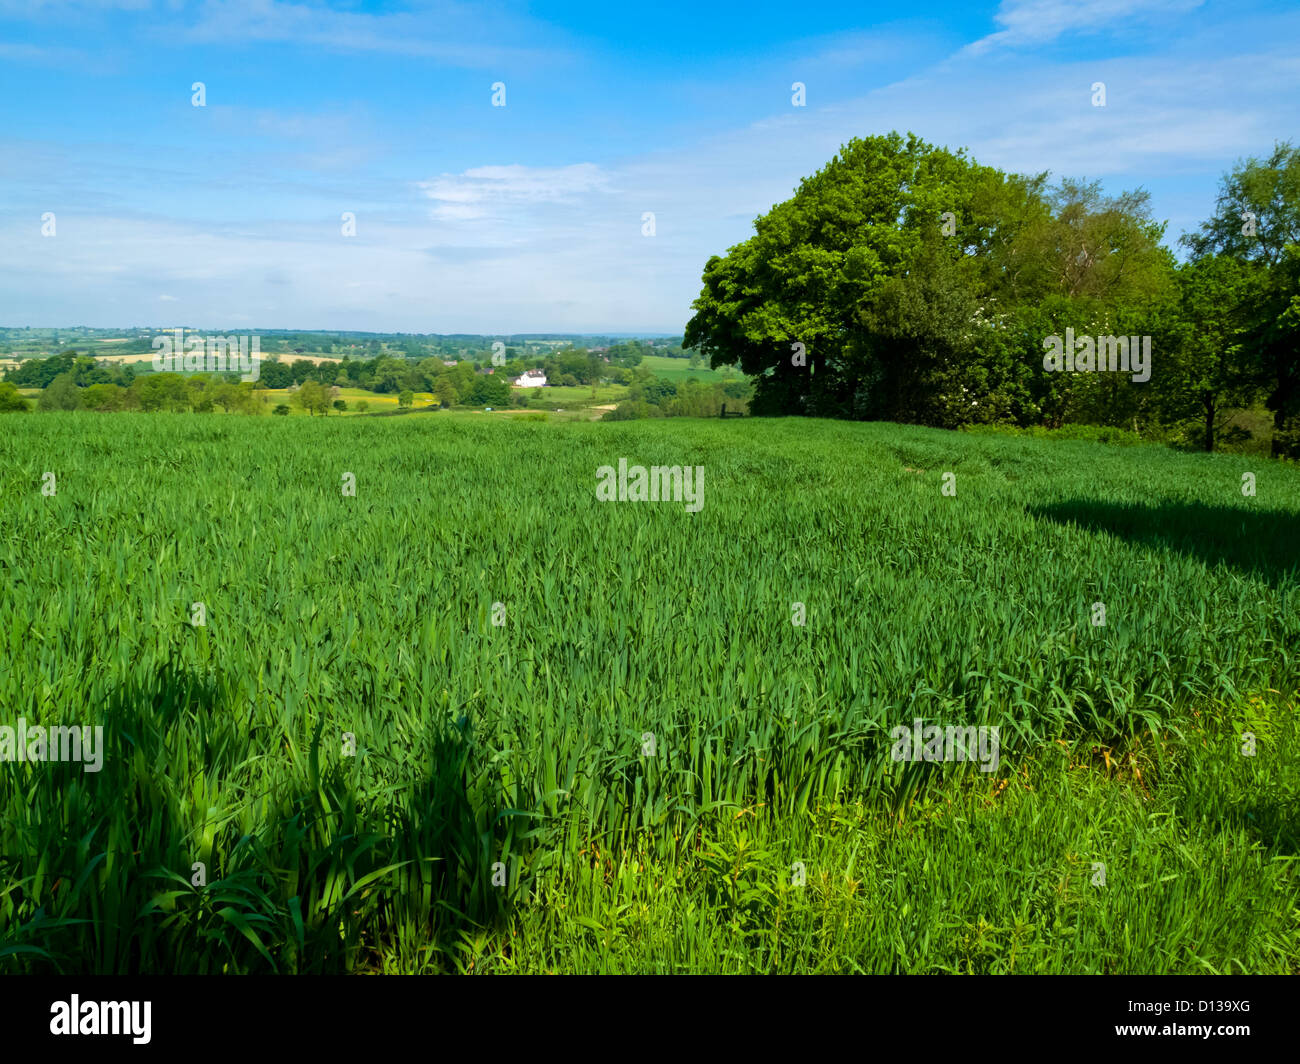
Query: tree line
{"points": [[905, 282], [72, 382]]}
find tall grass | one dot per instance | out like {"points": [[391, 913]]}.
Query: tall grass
{"points": [[522, 744]]}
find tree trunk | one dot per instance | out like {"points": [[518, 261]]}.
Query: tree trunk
{"points": [[1209, 423]]}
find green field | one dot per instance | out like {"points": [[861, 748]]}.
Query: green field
{"points": [[679, 369], [1124, 830], [576, 401], [375, 402], [572, 397]]}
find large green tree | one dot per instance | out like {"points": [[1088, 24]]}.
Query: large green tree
{"points": [[906, 282], [1257, 211], [1256, 221], [814, 260], [313, 397], [1208, 365]]}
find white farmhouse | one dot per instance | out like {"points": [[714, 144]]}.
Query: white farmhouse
{"points": [[533, 378]]}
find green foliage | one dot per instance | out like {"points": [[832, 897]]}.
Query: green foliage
{"points": [[161, 391], [237, 398], [60, 394], [313, 397], [11, 400], [905, 282], [274, 374], [1256, 226], [1269, 191], [818, 259], [490, 390], [632, 410], [1205, 362], [1090, 433], [445, 391], [103, 397], [41, 372]]}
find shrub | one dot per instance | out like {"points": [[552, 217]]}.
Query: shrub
{"points": [[102, 397], [60, 394], [1091, 433], [631, 411], [11, 401]]}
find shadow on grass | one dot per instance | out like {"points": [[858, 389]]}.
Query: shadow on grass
{"points": [[312, 873], [1273, 823], [1263, 543]]}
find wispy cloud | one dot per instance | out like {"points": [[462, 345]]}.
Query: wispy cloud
{"points": [[883, 44], [46, 55], [487, 191], [1038, 22], [457, 34], [32, 9]]}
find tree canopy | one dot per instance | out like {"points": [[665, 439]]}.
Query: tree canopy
{"points": [[908, 282]]}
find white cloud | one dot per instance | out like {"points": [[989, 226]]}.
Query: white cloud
{"points": [[493, 191], [1030, 22]]}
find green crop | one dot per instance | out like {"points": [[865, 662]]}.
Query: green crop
{"points": [[375, 774]]}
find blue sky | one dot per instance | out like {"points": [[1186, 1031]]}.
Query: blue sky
{"points": [[528, 217]]}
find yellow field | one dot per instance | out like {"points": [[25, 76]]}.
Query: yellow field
{"points": [[148, 356], [274, 396]]}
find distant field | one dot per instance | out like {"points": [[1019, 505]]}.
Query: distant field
{"points": [[352, 396], [148, 356], [575, 397], [306, 357], [678, 369], [615, 705]]}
